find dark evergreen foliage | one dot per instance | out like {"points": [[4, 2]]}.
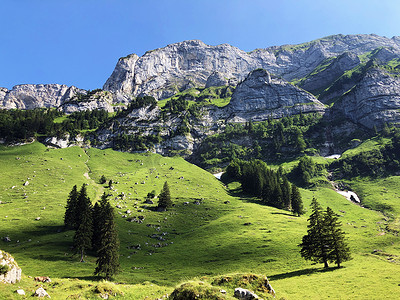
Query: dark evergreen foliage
{"points": [[98, 220], [325, 241], [70, 216], [108, 251], [296, 201], [315, 243], [273, 188], [374, 163], [24, 124], [164, 199], [84, 225], [339, 250]]}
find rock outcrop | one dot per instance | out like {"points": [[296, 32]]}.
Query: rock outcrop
{"points": [[373, 101], [261, 96], [30, 96], [320, 79], [13, 273], [216, 79], [162, 72]]}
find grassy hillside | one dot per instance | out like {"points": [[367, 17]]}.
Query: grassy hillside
{"points": [[198, 241]]}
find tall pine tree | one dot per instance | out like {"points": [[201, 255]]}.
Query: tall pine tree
{"points": [[325, 240], [339, 250], [70, 216], [296, 201], [84, 232], [164, 199], [97, 221], [108, 252], [314, 245]]}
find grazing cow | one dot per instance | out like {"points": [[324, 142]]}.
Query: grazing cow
{"points": [[42, 279]]}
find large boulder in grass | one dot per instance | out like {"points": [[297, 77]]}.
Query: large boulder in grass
{"points": [[244, 294], [9, 270]]}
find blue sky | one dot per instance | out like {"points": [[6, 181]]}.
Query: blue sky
{"points": [[78, 42]]}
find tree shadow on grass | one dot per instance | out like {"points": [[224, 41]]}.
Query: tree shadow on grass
{"points": [[307, 272], [283, 213], [88, 278]]}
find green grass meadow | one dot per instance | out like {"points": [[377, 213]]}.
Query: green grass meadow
{"points": [[190, 241]]}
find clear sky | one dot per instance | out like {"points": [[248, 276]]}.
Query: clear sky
{"points": [[78, 42]]}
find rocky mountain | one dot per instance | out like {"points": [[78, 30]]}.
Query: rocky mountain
{"points": [[68, 99], [351, 76], [261, 96], [30, 96], [176, 67]]}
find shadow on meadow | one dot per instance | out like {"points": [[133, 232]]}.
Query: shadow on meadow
{"points": [[308, 271]]}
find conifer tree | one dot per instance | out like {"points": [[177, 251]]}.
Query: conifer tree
{"points": [[97, 221], [315, 243], [297, 202], [164, 199], [286, 193], [108, 252], [71, 209], [84, 231], [339, 250]]}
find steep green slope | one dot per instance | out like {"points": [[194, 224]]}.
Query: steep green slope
{"points": [[204, 240]]}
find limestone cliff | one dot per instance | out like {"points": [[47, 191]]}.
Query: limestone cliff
{"points": [[374, 100], [30, 96], [261, 96], [162, 72]]}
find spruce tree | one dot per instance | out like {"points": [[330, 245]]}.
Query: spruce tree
{"points": [[84, 231], [315, 244], [164, 199], [297, 202], [71, 209], [339, 250], [286, 193], [97, 221], [108, 252]]}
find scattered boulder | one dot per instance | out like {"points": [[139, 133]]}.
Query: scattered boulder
{"points": [[26, 183], [6, 239], [244, 294], [40, 292], [227, 202], [12, 273], [20, 292]]}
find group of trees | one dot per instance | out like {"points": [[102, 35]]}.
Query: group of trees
{"points": [[273, 188], [375, 162], [95, 229], [304, 171], [272, 139], [24, 124], [325, 240]]}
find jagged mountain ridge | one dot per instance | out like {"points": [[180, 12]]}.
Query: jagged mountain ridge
{"points": [[162, 72], [324, 67]]}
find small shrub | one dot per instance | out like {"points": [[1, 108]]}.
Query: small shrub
{"points": [[103, 179], [107, 288], [4, 269]]}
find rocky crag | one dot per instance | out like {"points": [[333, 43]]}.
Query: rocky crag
{"points": [[13, 273], [356, 76]]}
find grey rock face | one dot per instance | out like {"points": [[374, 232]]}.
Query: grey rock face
{"points": [[374, 100], [30, 96], [162, 72], [216, 79], [261, 95], [14, 272], [101, 100], [334, 70]]}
